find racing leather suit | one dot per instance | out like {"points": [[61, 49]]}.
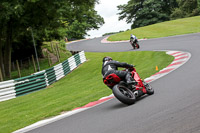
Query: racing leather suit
{"points": [[109, 67]]}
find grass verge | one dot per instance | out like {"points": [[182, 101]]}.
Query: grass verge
{"points": [[78, 88], [164, 29]]}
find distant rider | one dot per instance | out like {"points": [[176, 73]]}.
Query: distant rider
{"points": [[133, 39], [110, 66]]}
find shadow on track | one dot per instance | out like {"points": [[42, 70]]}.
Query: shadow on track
{"points": [[120, 105]]}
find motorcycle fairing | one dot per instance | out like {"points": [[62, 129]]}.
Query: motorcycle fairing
{"points": [[140, 85]]}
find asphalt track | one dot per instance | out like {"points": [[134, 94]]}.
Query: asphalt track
{"points": [[174, 108]]}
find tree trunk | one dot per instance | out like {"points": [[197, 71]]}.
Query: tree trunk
{"points": [[1, 50], [1, 55], [7, 51]]}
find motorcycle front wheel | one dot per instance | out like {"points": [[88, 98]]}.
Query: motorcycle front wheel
{"points": [[123, 94], [137, 45], [149, 88]]}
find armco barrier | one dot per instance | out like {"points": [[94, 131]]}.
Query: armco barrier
{"points": [[40, 80], [30, 83]]}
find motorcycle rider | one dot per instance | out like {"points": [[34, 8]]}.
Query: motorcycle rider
{"points": [[110, 66], [133, 38]]}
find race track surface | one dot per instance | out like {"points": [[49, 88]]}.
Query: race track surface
{"points": [[174, 108]]}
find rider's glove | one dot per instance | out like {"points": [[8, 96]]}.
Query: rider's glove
{"points": [[131, 66]]}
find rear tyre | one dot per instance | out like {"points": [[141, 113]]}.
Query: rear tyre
{"points": [[133, 45], [123, 94], [149, 88]]}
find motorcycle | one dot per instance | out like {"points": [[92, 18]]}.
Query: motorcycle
{"points": [[125, 93], [134, 44]]}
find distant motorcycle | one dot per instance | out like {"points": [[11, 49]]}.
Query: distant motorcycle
{"points": [[134, 42], [125, 93]]}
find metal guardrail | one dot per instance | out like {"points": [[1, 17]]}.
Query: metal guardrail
{"points": [[13, 88]]}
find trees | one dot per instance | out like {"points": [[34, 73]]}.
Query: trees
{"points": [[146, 12], [10, 12], [52, 19], [151, 12], [83, 19], [186, 8]]}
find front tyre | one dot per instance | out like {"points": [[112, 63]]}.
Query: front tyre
{"points": [[137, 45], [149, 88], [123, 94]]}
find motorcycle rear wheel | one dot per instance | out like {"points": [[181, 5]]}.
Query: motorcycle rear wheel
{"points": [[133, 46], [123, 94]]}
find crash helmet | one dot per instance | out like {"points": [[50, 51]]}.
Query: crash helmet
{"points": [[133, 37], [107, 58]]}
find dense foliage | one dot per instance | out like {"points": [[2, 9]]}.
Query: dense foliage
{"points": [[186, 8], [145, 12], [49, 20]]}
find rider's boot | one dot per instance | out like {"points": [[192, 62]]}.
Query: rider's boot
{"points": [[132, 84], [130, 81]]}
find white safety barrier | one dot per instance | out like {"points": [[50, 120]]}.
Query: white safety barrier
{"points": [[40, 80]]}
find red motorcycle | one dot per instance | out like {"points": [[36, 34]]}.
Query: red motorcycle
{"points": [[125, 93]]}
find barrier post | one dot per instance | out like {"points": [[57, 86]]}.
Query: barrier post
{"points": [[58, 49], [49, 59], [18, 69], [57, 54], [3, 71], [52, 47]]}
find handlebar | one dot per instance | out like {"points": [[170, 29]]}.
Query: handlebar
{"points": [[130, 68]]}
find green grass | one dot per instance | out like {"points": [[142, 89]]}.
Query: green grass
{"points": [[78, 88], [164, 29]]}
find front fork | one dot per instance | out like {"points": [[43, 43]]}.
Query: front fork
{"points": [[140, 86], [139, 90]]}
